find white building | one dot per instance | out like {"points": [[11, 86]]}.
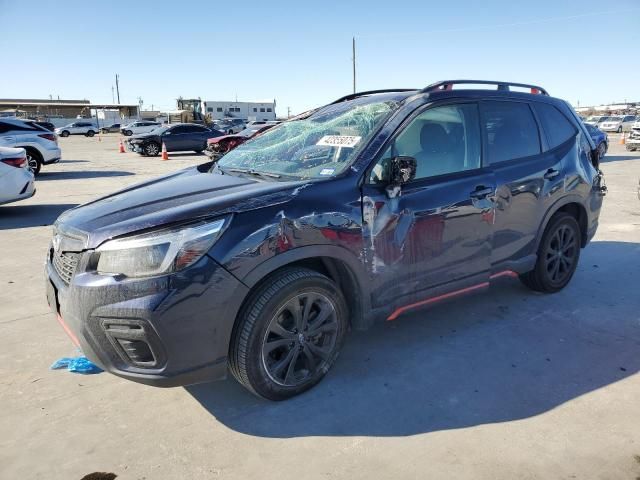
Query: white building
{"points": [[245, 110]]}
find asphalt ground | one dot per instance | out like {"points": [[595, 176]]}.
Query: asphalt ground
{"points": [[507, 384]]}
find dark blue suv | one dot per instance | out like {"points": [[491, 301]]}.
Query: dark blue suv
{"points": [[358, 211]]}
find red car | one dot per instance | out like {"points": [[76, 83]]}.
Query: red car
{"points": [[218, 146]]}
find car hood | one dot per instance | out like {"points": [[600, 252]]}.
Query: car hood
{"points": [[179, 197], [143, 136]]}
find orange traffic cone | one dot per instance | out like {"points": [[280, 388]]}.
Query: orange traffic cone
{"points": [[121, 146], [622, 139], [165, 155]]}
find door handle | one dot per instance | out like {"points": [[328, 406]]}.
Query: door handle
{"points": [[481, 192], [551, 173]]}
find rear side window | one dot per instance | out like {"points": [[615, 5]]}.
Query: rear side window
{"points": [[510, 131], [555, 125]]}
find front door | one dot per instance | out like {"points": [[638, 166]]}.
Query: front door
{"points": [[436, 235]]}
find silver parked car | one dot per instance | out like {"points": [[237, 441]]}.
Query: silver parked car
{"points": [[80, 127], [618, 123], [40, 144], [16, 181]]}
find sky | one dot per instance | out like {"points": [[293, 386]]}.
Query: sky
{"points": [[299, 52]]}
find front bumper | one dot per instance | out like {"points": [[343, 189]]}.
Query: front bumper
{"points": [[163, 331], [609, 129], [134, 147]]}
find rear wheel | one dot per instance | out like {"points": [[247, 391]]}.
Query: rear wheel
{"points": [[90, 133], [34, 161], [289, 334], [558, 255], [152, 149]]}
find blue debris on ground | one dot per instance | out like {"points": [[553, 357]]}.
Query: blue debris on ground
{"points": [[77, 365]]}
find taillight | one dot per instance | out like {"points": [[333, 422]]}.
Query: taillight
{"points": [[48, 136], [15, 162]]}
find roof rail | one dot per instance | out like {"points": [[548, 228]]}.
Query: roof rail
{"points": [[503, 86], [372, 92]]}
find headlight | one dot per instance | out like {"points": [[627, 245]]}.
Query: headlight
{"points": [[158, 252]]}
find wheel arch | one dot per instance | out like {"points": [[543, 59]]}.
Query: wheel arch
{"points": [[337, 263], [572, 205]]}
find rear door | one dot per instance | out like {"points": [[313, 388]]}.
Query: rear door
{"points": [[529, 174], [7, 139], [437, 233]]}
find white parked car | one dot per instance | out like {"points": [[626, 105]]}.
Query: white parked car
{"points": [[40, 144], [139, 127], [618, 123], [80, 127], [596, 120], [16, 180]]}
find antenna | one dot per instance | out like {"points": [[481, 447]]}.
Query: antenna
{"points": [[353, 47]]}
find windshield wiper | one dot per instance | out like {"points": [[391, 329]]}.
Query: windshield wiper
{"points": [[249, 171]]}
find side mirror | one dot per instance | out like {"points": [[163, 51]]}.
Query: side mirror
{"points": [[401, 170], [168, 132]]}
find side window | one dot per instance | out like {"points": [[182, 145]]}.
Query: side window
{"points": [[442, 140], [510, 131], [4, 127], [179, 129], [199, 129], [555, 125]]}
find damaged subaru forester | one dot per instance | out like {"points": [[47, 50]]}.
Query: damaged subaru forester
{"points": [[378, 203]]}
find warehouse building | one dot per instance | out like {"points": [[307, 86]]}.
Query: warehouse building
{"points": [[246, 110], [63, 111]]}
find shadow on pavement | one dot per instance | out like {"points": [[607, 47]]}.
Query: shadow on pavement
{"points": [[24, 216], [508, 354], [44, 175], [618, 158]]}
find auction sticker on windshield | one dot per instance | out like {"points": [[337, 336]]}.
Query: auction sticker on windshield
{"points": [[348, 141]]}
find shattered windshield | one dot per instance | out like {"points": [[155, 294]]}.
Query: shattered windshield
{"points": [[319, 146]]}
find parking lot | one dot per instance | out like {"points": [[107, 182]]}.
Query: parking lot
{"points": [[509, 384]]}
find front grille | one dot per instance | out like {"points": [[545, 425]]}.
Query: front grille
{"points": [[65, 264]]}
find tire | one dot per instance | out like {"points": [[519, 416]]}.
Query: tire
{"points": [[34, 160], [90, 133], [602, 150], [619, 129], [64, 133], [230, 132], [273, 355], [552, 272], [152, 149], [128, 133]]}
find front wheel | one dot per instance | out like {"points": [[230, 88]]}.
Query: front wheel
{"points": [[289, 334], [128, 133], [64, 133], [558, 255], [151, 149], [619, 129]]}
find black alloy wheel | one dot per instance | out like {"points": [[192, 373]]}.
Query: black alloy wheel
{"points": [[300, 339], [558, 255], [289, 333]]}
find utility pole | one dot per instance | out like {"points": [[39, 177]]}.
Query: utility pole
{"points": [[353, 45], [113, 98], [118, 87], [288, 112]]}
